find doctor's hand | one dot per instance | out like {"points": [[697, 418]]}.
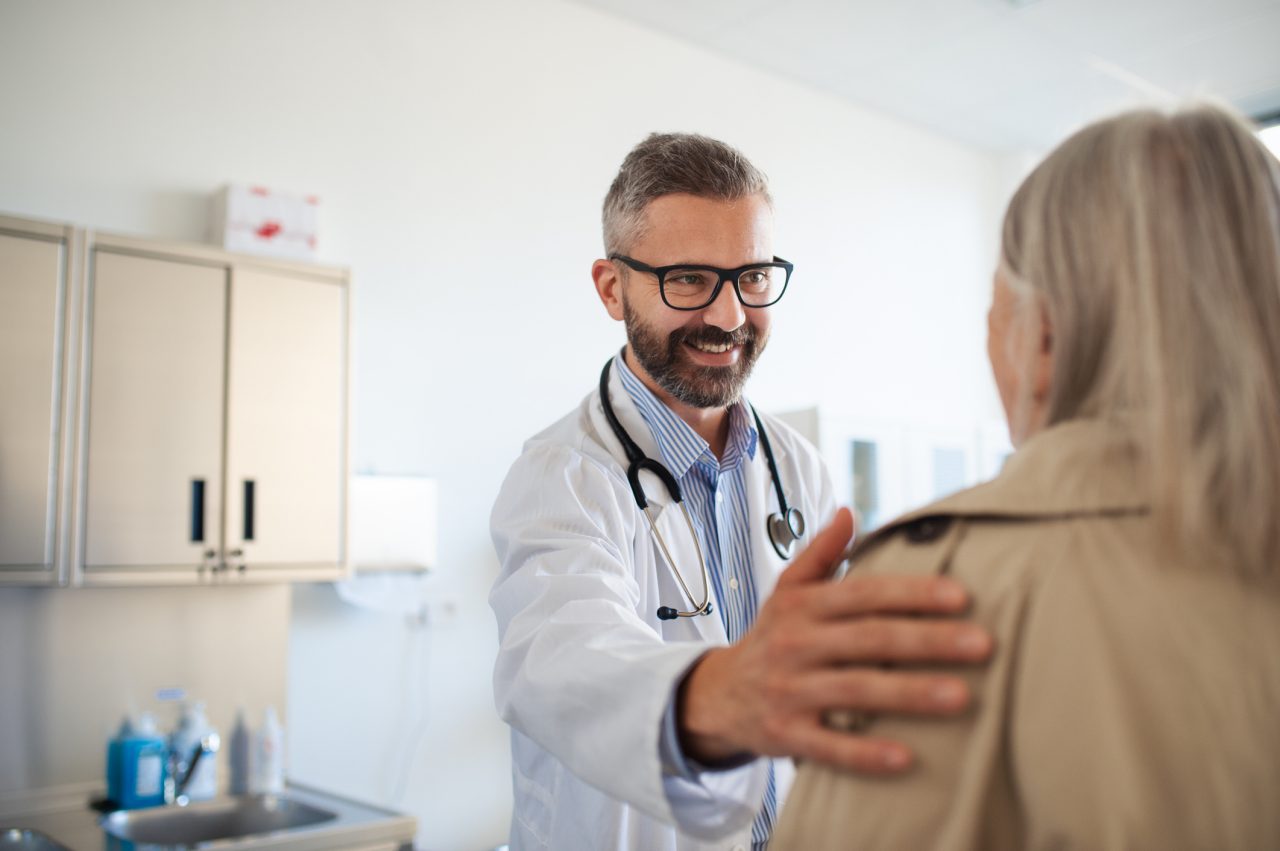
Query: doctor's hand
{"points": [[819, 646]]}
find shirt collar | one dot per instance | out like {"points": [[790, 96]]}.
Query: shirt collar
{"points": [[680, 446]]}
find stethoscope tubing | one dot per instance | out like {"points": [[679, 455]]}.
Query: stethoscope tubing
{"points": [[784, 527]]}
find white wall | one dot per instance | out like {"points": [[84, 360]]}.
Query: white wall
{"points": [[461, 150], [74, 661]]}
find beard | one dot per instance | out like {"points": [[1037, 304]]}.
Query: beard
{"points": [[693, 384]]}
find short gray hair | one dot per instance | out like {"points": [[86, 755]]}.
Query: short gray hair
{"points": [[669, 163]]}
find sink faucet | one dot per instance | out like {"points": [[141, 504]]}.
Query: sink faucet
{"points": [[183, 766]]}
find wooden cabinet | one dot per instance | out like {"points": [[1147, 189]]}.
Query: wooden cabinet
{"points": [[215, 427], [169, 413], [35, 274], [155, 376], [286, 459]]}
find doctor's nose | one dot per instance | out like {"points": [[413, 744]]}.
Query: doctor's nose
{"points": [[726, 312]]}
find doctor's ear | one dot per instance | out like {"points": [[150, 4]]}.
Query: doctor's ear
{"points": [[608, 278]]}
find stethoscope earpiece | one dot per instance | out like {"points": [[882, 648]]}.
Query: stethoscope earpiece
{"points": [[666, 613]]}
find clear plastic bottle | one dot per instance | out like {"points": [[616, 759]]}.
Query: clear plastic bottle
{"points": [[185, 741], [267, 763], [238, 756]]}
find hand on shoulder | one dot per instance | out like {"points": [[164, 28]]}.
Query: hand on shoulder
{"points": [[819, 647]]}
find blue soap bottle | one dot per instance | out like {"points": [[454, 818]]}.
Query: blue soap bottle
{"points": [[115, 749], [143, 764]]}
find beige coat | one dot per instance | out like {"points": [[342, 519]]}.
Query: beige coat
{"points": [[1133, 702]]}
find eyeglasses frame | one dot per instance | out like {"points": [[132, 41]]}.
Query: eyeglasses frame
{"points": [[723, 274]]}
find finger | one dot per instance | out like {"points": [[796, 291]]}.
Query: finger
{"points": [[881, 639], [907, 640], [872, 593], [882, 692], [863, 754], [818, 560]]}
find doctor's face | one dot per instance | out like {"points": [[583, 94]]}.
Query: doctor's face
{"points": [[703, 357]]}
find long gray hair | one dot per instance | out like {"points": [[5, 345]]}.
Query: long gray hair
{"points": [[668, 163], [1152, 241]]}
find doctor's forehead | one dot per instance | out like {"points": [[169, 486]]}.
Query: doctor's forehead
{"points": [[692, 228]]}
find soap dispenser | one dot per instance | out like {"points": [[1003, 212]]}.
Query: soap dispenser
{"points": [[142, 765]]}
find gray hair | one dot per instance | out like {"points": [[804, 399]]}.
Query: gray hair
{"points": [[1152, 240], [669, 163]]}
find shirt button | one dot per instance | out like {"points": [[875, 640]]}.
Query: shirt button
{"points": [[719, 496], [733, 583]]}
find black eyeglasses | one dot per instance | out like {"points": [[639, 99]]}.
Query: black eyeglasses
{"points": [[687, 286]]}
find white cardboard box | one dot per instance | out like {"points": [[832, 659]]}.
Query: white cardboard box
{"points": [[257, 220]]}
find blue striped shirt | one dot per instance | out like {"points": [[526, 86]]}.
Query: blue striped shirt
{"points": [[715, 493]]}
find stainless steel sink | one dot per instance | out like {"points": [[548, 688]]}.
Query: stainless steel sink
{"points": [[301, 819], [209, 821], [18, 839]]}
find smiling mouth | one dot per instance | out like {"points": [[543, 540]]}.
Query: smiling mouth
{"points": [[712, 348]]}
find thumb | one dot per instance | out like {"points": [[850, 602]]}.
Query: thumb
{"points": [[817, 561]]}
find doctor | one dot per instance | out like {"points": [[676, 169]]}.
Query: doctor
{"points": [[655, 648]]}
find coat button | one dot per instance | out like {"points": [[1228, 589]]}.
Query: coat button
{"points": [[926, 530]]}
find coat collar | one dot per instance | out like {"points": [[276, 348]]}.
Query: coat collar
{"points": [[1074, 468]]}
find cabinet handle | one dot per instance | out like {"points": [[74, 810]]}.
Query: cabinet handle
{"points": [[248, 509], [197, 511]]}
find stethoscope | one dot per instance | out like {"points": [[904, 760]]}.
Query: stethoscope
{"points": [[785, 526]]}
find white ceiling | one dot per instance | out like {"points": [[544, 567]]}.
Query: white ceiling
{"points": [[1003, 74]]}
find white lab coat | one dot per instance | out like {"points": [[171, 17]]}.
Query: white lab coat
{"points": [[585, 669]]}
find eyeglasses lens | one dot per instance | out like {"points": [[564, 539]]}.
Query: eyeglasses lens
{"points": [[689, 288]]}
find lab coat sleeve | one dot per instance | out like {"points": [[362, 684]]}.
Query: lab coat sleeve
{"points": [[579, 671]]}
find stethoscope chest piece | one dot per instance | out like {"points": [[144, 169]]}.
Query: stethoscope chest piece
{"points": [[784, 530], [786, 525]]}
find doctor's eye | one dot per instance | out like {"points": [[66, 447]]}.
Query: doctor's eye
{"points": [[760, 282], [688, 284], [689, 277]]}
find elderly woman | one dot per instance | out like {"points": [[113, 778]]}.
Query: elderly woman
{"points": [[1128, 556]]}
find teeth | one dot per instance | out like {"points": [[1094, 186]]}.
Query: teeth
{"points": [[712, 348]]}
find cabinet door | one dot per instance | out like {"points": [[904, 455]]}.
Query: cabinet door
{"points": [[31, 281], [155, 417], [286, 422]]}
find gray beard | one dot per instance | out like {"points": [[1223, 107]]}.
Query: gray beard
{"points": [[692, 384]]}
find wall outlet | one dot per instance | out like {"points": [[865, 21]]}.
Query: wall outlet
{"points": [[442, 610]]}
